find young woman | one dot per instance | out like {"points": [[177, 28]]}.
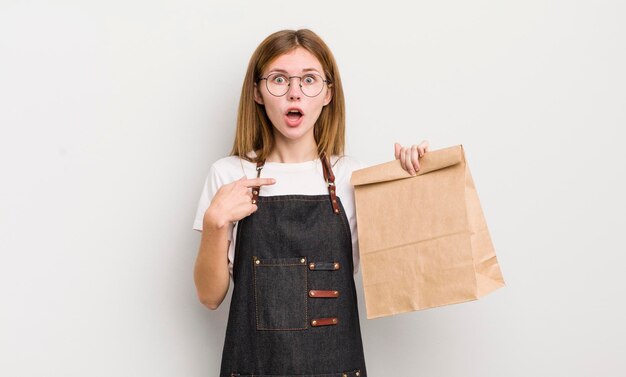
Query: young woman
{"points": [[278, 216]]}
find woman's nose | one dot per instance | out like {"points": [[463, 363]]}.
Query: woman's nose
{"points": [[294, 91]]}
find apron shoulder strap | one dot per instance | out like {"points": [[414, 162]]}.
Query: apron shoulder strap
{"points": [[329, 176], [255, 189]]}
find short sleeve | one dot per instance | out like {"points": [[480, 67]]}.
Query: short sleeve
{"points": [[212, 183]]}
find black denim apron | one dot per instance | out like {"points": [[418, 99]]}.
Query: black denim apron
{"points": [[294, 308]]}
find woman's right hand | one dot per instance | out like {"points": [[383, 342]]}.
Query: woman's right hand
{"points": [[233, 201]]}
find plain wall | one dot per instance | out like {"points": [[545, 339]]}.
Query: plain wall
{"points": [[111, 113]]}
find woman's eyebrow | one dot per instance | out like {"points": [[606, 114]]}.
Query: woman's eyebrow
{"points": [[284, 71]]}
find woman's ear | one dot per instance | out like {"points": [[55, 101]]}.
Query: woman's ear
{"points": [[258, 98], [329, 94]]}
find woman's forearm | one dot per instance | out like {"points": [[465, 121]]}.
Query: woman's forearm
{"points": [[211, 273]]}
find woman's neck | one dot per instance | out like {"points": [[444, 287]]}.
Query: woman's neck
{"points": [[293, 152]]}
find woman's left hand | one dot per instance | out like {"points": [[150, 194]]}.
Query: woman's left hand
{"points": [[409, 156]]}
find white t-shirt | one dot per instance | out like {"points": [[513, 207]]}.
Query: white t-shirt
{"points": [[304, 178]]}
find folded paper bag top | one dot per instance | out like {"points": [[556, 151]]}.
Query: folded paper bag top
{"points": [[392, 170], [423, 239]]}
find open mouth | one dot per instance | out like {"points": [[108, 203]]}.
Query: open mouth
{"points": [[294, 115]]}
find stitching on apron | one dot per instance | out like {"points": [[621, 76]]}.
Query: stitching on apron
{"points": [[281, 199], [306, 299], [350, 373]]}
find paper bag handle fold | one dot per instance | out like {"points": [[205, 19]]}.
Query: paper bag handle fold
{"points": [[392, 170]]}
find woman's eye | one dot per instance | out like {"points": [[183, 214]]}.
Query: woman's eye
{"points": [[308, 79], [280, 79]]}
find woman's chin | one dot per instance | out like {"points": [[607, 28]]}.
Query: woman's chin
{"points": [[294, 133]]}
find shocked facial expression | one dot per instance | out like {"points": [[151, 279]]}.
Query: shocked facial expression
{"points": [[293, 114]]}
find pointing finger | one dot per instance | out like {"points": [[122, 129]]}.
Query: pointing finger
{"points": [[254, 182]]}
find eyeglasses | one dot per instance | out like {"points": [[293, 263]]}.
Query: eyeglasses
{"points": [[310, 84]]}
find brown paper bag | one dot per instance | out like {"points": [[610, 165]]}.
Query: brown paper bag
{"points": [[423, 240]]}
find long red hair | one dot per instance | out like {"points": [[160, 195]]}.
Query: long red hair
{"points": [[254, 128]]}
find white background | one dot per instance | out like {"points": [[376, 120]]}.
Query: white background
{"points": [[111, 113]]}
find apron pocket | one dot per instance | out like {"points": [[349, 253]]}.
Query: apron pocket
{"points": [[280, 293]]}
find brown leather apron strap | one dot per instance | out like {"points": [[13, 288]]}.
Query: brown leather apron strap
{"points": [[324, 321], [255, 189], [319, 293], [330, 179]]}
